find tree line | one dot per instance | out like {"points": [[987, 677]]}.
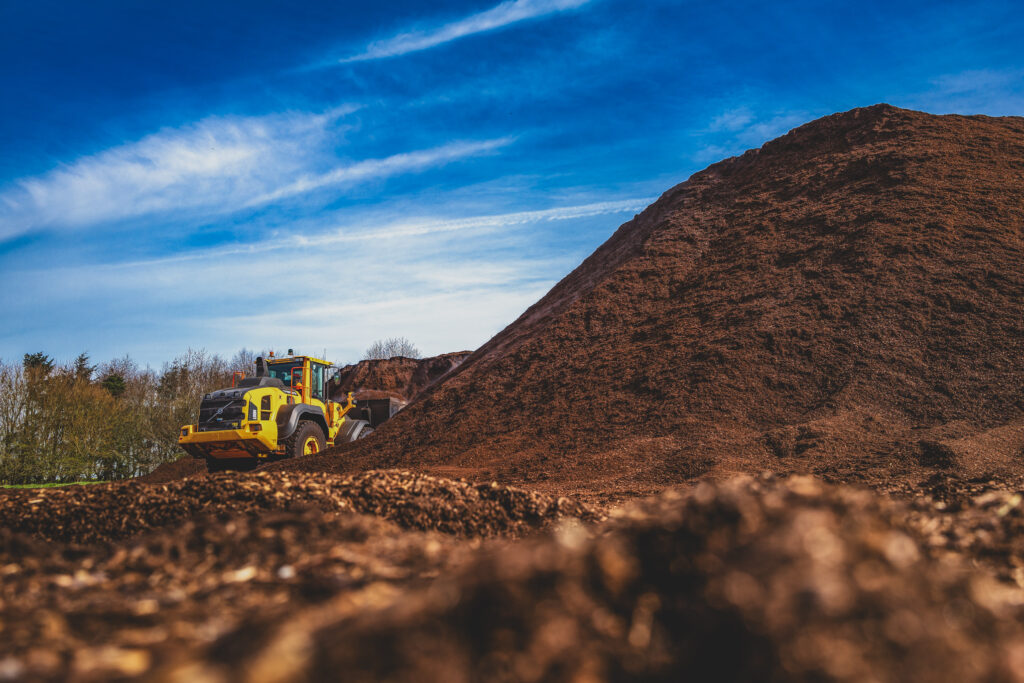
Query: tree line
{"points": [[81, 422]]}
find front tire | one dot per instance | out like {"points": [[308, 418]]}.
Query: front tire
{"points": [[308, 439], [216, 465], [231, 464]]}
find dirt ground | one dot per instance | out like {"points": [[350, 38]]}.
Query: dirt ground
{"points": [[773, 429]]}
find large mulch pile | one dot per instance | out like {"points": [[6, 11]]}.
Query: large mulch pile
{"points": [[837, 302]]}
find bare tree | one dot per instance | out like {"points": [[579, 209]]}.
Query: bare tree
{"points": [[243, 361], [391, 347]]}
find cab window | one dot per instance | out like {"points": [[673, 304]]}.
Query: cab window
{"points": [[317, 387], [284, 372]]}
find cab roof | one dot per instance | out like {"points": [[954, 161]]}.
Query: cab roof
{"points": [[292, 359]]}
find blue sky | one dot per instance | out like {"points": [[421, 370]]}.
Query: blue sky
{"points": [[320, 175]]}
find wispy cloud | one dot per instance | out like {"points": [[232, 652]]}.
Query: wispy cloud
{"points": [[975, 80], [758, 132], [740, 128], [216, 166], [477, 312], [506, 13], [749, 128], [995, 92], [381, 168], [361, 233], [215, 162], [732, 120]]}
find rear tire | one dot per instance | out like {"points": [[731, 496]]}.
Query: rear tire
{"points": [[308, 439], [353, 430]]}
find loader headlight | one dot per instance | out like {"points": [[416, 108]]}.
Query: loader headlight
{"points": [[184, 431]]}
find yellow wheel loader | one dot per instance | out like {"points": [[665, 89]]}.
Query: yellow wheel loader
{"points": [[282, 412]]}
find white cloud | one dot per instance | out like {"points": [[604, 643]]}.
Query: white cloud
{"points": [[741, 128], [711, 153], [975, 80], [216, 162], [731, 120], [379, 231], [756, 133], [382, 168], [437, 322], [995, 92], [215, 166], [504, 14]]}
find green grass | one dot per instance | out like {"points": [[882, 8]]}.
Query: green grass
{"points": [[49, 486]]}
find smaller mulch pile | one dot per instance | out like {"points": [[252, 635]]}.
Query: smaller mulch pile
{"points": [[398, 377], [183, 467], [105, 512]]}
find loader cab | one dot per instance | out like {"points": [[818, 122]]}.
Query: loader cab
{"points": [[303, 374]]}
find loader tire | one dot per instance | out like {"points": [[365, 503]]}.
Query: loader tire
{"points": [[216, 465], [308, 439], [231, 465], [360, 430]]}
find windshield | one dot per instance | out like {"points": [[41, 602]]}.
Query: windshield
{"points": [[284, 371]]}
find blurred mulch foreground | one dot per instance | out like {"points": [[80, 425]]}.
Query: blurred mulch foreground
{"points": [[392, 575], [127, 577], [744, 580]]}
